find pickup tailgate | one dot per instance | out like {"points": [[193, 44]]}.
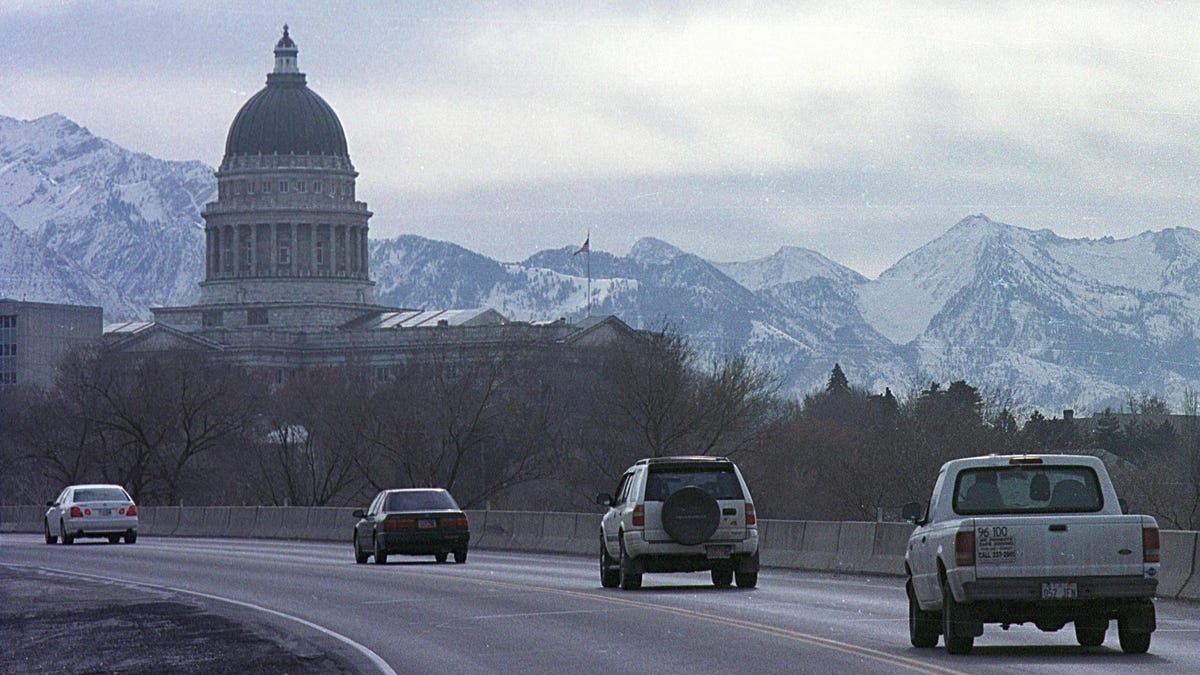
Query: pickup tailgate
{"points": [[1058, 546]]}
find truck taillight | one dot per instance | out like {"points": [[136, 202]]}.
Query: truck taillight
{"points": [[639, 515], [1149, 544], [76, 512], [964, 549], [751, 519]]}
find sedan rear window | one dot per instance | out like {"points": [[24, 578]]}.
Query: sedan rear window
{"points": [[101, 495], [720, 482], [425, 500]]}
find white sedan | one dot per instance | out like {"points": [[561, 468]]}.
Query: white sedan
{"points": [[92, 511]]}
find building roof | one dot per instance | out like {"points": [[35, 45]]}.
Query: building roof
{"points": [[286, 117]]}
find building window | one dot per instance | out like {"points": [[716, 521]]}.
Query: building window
{"points": [[256, 317], [283, 186], [301, 185], [8, 321], [321, 244], [266, 186], [237, 187]]}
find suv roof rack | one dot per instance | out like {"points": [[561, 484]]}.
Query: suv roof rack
{"points": [[681, 458]]}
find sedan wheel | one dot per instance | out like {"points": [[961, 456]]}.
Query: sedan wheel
{"points": [[380, 556], [460, 555], [50, 538], [67, 539], [130, 537], [441, 556], [360, 556], [114, 538]]}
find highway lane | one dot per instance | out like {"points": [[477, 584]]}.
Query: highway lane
{"points": [[535, 613]]}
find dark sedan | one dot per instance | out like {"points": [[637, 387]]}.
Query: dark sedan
{"points": [[414, 521]]}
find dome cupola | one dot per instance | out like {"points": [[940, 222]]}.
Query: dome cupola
{"points": [[286, 117]]}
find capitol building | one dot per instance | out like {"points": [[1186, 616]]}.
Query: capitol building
{"points": [[287, 283]]}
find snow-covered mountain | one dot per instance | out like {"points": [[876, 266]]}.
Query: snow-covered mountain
{"points": [[1052, 322], [128, 224]]}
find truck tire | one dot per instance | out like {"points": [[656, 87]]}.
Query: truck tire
{"points": [[691, 515], [953, 625], [1089, 632], [923, 628], [1132, 641]]}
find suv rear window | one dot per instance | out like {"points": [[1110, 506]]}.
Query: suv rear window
{"points": [[719, 481], [1027, 489]]}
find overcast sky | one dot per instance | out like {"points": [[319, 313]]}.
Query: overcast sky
{"points": [[727, 129]]}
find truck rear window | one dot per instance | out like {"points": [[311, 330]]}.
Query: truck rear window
{"points": [[1027, 489]]}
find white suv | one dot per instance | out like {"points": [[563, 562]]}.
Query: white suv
{"points": [[679, 514]]}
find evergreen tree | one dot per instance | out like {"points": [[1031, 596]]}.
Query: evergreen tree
{"points": [[837, 381]]}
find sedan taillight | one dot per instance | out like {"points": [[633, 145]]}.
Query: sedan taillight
{"points": [[454, 522], [76, 512], [132, 510]]}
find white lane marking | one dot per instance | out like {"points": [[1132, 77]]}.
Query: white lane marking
{"points": [[523, 615], [361, 648]]}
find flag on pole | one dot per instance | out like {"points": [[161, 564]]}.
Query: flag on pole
{"points": [[585, 248]]}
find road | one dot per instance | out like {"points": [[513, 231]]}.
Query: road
{"points": [[517, 612]]}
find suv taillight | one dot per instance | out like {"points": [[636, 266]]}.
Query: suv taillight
{"points": [[750, 517], [639, 515], [964, 549], [1149, 544], [76, 512]]}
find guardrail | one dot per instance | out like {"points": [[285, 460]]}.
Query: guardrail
{"points": [[847, 547]]}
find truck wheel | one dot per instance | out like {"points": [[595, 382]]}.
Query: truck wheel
{"points": [[923, 626], [1090, 632], [1132, 642], [746, 579], [953, 625]]}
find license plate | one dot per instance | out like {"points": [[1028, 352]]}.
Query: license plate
{"points": [[426, 524], [104, 512], [1059, 590], [718, 552]]}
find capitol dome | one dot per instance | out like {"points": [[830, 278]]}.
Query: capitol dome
{"points": [[286, 117]]}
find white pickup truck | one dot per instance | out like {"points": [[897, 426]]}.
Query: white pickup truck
{"points": [[1029, 538]]}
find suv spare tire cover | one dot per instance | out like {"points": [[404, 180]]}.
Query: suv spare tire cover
{"points": [[691, 515]]}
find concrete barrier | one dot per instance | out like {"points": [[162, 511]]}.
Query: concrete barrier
{"points": [[267, 521], [855, 544], [527, 530], [586, 540], [22, 518], [498, 531], [477, 521], [241, 521], [819, 550], [163, 522], [330, 524], [294, 524], [1191, 589], [887, 552], [191, 521], [780, 542], [558, 531]]}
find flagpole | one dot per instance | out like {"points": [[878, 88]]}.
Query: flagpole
{"points": [[589, 276]]}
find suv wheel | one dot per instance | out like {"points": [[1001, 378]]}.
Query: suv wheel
{"points": [[690, 515], [629, 581], [722, 577], [747, 579], [610, 570]]}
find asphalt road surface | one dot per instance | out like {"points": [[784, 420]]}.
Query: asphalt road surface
{"points": [[306, 607]]}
